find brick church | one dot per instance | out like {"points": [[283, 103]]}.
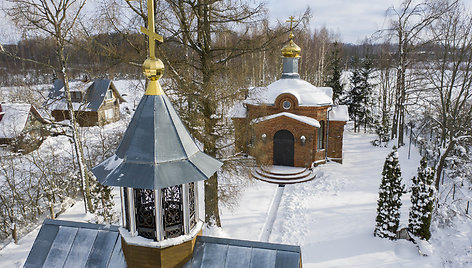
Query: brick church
{"points": [[290, 122]]}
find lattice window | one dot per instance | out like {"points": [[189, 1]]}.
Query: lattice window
{"points": [[145, 213], [321, 136], [173, 211], [126, 208], [191, 204]]}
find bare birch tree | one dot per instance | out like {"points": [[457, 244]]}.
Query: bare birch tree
{"points": [[449, 75], [56, 19], [407, 26]]}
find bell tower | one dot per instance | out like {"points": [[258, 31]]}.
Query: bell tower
{"points": [[157, 167]]}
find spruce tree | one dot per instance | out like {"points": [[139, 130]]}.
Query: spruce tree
{"points": [[102, 202], [422, 199], [354, 98], [389, 202], [334, 77], [366, 90]]}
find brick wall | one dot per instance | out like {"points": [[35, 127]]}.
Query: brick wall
{"points": [[304, 155], [263, 149], [335, 140]]}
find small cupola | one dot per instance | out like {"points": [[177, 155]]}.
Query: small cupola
{"points": [[290, 55], [157, 166]]}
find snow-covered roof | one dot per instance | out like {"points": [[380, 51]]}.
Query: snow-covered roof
{"points": [[238, 111], [306, 93], [94, 95], [14, 119], [339, 113], [304, 119]]}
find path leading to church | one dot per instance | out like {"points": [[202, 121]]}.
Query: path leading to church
{"points": [[333, 216]]}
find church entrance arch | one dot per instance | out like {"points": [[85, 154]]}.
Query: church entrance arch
{"points": [[283, 148]]}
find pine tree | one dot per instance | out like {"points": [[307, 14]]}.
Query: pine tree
{"points": [[334, 77], [354, 98], [102, 202], [422, 199], [389, 202], [366, 89]]}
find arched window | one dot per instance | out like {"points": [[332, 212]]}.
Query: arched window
{"points": [[321, 136]]}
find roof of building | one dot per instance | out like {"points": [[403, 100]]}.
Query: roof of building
{"points": [[74, 244], [222, 252], [94, 93], [14, 119], [339, 113], [156, 151], [306, 93], [304, 119]]}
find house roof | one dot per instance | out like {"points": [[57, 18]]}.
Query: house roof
{"points": [[304, 119], [223, 252], [306, 93], [14, 118], [156, 151], [75, 244], [94, 94]]}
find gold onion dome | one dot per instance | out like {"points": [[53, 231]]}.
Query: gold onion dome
{"points": [[291, 50]]}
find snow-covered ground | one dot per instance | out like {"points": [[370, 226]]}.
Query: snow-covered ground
{"points": [[332, 217]]}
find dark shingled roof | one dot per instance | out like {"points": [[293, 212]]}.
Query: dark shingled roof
{"points": [[156, 151], [75, 244], [216, 252]]}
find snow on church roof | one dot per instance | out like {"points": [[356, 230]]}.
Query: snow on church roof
{"points": [[339, 113], [304, 119], [14, 119], [306, 93], [238, 111]]}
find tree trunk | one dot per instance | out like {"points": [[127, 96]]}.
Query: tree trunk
{"points": [[14, 233], [75, 133], [442, 162]]}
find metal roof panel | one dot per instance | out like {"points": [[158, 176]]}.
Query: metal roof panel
{"points": [[60, 247], [74, 244], [81, 248], [156, 151], [225, 252], [42, 244]]}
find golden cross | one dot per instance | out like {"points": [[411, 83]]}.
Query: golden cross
{"points": [[291, 20], [151, 31]]}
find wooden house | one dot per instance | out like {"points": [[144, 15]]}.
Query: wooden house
{"points": [[95, 103], [21, 126]]}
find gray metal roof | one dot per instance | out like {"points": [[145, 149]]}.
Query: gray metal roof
{"points": [[222, 252], [156, 151], [74, 244]]}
